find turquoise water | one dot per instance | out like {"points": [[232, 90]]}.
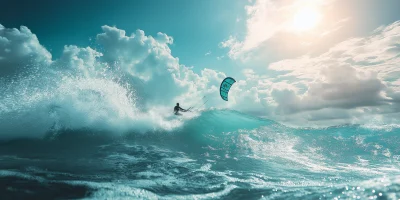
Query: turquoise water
{"points": [[216, 154], [68, 136]]}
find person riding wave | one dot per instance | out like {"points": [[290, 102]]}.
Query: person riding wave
{"points": [[177, 108]]}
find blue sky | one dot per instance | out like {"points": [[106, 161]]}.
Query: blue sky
{"points": [[297, 61]]}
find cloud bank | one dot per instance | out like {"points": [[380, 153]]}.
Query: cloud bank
{"points": [[354, 81]]}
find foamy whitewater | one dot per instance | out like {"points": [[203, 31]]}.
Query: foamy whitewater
{"points": [[65, 136]]}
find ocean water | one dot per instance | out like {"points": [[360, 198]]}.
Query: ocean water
{"points": [[69, 137], [219, 154]]}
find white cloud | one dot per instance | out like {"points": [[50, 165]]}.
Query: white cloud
{"points": [[337, 87], [147, 60], [335, 27], [355, 74], [266, 19], [84, 60], [208, 53], [20, 49], [377, 52], [220, 57]]}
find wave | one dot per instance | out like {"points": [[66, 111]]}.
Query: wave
{"points": [[225, 134], [32, 106], [63, 109], [230, 134], [224, 128], [221, 153]]}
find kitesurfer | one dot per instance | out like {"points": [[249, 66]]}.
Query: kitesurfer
{"points": [[177, 108]]}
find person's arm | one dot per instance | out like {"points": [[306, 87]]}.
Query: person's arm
{"points": [[183, 110]]}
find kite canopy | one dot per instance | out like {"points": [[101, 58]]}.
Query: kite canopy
{"points": [[225, 87]]}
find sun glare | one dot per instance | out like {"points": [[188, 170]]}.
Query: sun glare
{"points": [[306, 18]]}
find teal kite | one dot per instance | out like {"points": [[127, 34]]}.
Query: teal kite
{"points": [[225, 87]]}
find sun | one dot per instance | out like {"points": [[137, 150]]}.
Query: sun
{"points": [[305, 19]]}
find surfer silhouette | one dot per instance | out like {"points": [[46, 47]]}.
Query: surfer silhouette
{"points": [[177, 108]]}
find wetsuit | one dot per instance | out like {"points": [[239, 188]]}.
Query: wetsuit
{"points": [[177, 109]]}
